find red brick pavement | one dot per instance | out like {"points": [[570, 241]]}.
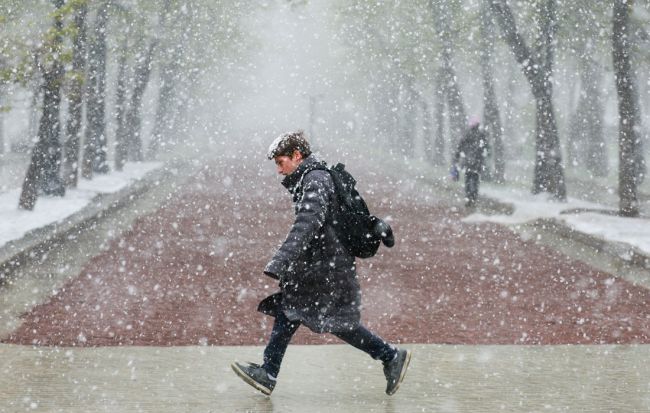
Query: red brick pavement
{"points": [[191, 273]]}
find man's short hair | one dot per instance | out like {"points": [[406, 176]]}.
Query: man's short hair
{"points": [[285, 144]]}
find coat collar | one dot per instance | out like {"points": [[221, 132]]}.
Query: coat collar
{"points": [[291, 182]]}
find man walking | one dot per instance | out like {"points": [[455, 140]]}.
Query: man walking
{"points": [[317, 276], [471, 153]]}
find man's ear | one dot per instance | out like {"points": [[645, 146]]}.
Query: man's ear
{"points": [[296, 155]]}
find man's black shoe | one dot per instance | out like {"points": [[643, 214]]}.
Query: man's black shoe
{"points": [[395, 370], [254, 375]]}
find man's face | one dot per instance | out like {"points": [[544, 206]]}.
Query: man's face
{"points": [[286, 165]]}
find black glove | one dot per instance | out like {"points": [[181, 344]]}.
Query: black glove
{"points": [[385, 232]]}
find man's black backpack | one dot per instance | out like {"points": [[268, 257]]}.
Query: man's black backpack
{"points": [[358, 230]]}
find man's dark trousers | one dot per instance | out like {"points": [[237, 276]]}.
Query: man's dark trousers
{"points": [[284, 329], [471, 186]]}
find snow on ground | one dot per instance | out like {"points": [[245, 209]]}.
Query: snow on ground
{"points": [[633, 231], [528, 207], [15, 223]]}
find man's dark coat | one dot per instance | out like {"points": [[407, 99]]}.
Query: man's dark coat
{"points": [[472, 150], [318, 279]]}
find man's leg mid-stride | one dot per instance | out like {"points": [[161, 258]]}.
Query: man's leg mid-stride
{"points": [[471, 188], [283, 331], [264, 377], [395, 360]]}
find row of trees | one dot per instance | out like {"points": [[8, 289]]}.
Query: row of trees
{"points": [[89, 43], [418, 59], [412, 54]]}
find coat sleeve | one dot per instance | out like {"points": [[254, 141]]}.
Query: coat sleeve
{"points": [[311, 211]]}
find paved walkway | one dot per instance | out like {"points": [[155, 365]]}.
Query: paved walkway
{"points": [[330, 378]]}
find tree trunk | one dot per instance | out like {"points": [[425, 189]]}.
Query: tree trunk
{"points": [[164, 120], [588, 120], [75, 108], [133, 117], [575, 131], [34, 111], [388, 107], [455, 107], [491, 115], [2, 113], [409, 116], [630, 157], [170, 58], [380, 124], [549, 173], [44, 169], [2, 123], [391, 110], [439, 148], [94, 156], [511, 118], [120, 111], [455, 104], [427, 131], [312, 117]]}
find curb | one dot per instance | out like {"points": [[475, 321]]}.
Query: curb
{"points": [[625, 252], [39, 241]]}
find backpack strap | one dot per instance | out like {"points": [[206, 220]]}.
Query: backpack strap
{"points": [[343, 183], [313, 167]]}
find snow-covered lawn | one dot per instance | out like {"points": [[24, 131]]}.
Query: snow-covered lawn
{"points": [[575, 213], [15, 223]]}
